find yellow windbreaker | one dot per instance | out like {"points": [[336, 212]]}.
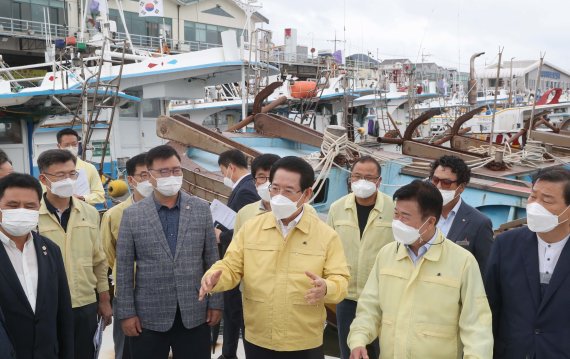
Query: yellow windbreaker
{"points": [[361, 252], [437, 309], [272, 270], [83, 256]]}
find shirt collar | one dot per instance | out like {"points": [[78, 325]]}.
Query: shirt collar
{"points": [[159, 206], [302, 221], [350, 202], [558, 245], [433, 248], [454, 210], [7, 241], [239, 180]]}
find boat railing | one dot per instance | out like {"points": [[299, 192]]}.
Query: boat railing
{"points": [[31, 29], [153, 43]]}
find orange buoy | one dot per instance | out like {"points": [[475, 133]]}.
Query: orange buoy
{"points": [[303, 89]]}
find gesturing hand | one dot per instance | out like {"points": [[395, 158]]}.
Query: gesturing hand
{"points": [[208, 283], [319, 290], [359, 353]]}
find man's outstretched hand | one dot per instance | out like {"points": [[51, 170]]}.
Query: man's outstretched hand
{"points": [[208, 283]]}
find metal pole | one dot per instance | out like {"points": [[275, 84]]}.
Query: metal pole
{"points": [[511, 85], [535, 99], [495, 100]]}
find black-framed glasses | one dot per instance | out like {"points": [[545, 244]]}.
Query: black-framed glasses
{"points": [[445, 183], [61, 176], [167, 172], [274, 190], [261, 179], [144, 175], [355, 177]]}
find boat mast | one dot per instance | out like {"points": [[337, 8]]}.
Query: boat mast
{"points": [[495, 99], [531, 122]]}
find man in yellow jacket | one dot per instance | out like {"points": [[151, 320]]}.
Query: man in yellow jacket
{"points": [[89, 187], [74, 226], [138, 179], [290, 264], [425, 296], [363, 221]]}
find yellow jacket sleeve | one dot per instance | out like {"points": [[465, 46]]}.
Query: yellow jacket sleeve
{"points": [[335, 272], [108, 240], [231, 265], [100, 265], [366, 325], [475, 320], [97, 194]]}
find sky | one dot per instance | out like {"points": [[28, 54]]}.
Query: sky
{"points": [[447, 32]]}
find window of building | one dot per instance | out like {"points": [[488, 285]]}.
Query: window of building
{"points": [[33, 10], [145, 26], [211, 34]]}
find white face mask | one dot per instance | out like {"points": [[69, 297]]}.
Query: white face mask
{"points": [[169, 186], [19, 222], [282, 206], [363, 188], [405, 234], [74, 150], [64, 188], [539, 219], [263, 191], [228, 180], [448, 195], [145, 188]]}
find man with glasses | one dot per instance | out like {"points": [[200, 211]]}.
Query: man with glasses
{"points": [[89, 187], [233, 165], [166, 243], [290, 264], [363, 221], [74, 226], [460, 222], [138, 179]]}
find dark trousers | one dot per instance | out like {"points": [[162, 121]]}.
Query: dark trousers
{"points": [[185, 343], [345, 313], [122, 348], [233, 322], [84, 328], [253, 351]]}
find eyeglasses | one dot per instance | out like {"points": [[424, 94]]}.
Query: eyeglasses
{"points": [[261, 179], [61, 176], [354, 178], [143, 175], [274, 190], [445, 183], [167, 172]]}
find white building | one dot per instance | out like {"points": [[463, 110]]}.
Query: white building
{"points": [[523, 76]]}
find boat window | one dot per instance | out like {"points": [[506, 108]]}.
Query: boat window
{"points": [[11, 132], [322, 196]]}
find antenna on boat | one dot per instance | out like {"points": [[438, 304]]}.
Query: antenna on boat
{"points": [[538, 74]]}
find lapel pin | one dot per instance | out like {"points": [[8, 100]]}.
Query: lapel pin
{"points": [[439, 274], [187, 207], [463, 219], [305, 242], [44, 248], [45, 253]]}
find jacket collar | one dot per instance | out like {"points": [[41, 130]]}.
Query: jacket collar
{"points": [[303, 225], [75, 203], [350, 202], [434, 252]]}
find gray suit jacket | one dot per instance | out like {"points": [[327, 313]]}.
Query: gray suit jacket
{"points": [[473, 231], [162, 281]]}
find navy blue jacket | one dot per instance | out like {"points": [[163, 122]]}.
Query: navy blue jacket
{"points": [[244, 194], [6, 347], [47, 333], [527, 324], [473, 231]]}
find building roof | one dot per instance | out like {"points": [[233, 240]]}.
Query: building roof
{"points": [[520, 68], [394, 61], [362, 58]]}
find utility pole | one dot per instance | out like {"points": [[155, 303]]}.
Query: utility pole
{"points": [[511, 84]]}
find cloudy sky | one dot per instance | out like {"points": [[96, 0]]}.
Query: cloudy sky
{"points": [[450, 31]]}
